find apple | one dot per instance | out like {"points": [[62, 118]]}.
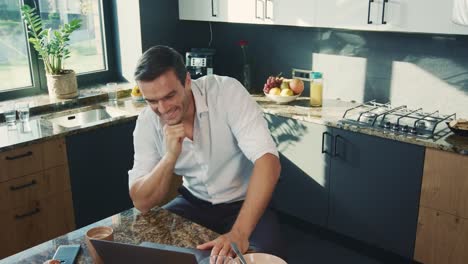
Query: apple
{"points": [[296, 85], [275, 91]]}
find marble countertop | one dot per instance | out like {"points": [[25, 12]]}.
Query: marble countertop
{"points": [[131, 227], [40, 128]]}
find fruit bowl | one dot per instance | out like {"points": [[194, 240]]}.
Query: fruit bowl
{"points": [[279, 99]]}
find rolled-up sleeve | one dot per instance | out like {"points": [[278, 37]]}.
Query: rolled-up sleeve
{"points": [[144, 141], [247, 122]]}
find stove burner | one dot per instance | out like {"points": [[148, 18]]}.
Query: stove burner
{"points": [[421, 124], [399, 120], [405, 129]]}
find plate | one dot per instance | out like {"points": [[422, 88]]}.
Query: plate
{"points": [[281, 99], [262, 258]]}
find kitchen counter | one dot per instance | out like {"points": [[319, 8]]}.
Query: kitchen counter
{"points": [[329, 114], [332, 111], [158, 226]]}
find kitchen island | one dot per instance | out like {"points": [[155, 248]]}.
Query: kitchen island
{"points": [[158, 226]]}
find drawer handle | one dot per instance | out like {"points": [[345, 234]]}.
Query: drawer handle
{"points": [[29, 153], [33, 212], [15, 188]]}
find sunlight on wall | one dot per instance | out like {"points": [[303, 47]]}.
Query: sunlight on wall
{"points": [[344, 77], [415, 87], [129, 36]]}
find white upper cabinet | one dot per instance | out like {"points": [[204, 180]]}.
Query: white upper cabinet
{"points": [[419, 16], [292, 12], [203, 10], [348, 14]]}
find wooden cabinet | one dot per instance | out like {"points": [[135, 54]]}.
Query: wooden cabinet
{"points": [[21, 161], [445, 182], [443, 216], [441, 238], [35, 200], [302, 190], [374, 190]]}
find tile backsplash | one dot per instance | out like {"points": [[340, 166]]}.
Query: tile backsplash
{"points": [[419, 70]]}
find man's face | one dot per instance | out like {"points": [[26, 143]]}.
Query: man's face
{"points": [[167, 97]]}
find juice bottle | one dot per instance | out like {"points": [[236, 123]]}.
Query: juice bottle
{"points": [[316, 89]]}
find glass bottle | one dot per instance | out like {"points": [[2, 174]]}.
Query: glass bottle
{"points": [[316, 89], [246, 75]]}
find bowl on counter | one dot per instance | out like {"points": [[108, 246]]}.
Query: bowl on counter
{"points": [[459, 127], [262, 258], [138, 98], [279, 99]]}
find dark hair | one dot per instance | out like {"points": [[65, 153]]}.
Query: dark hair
{"points": [[158, 60]]}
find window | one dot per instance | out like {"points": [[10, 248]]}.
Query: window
{"points": [[20, 67], [86, 43], [14, 55]]}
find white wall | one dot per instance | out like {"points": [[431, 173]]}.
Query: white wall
{"points": [[128, 35]]}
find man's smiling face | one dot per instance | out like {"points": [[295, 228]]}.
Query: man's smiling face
{"points": [[167, 97]]}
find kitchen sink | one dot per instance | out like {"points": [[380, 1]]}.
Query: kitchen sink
{"points": [[86, 116]]}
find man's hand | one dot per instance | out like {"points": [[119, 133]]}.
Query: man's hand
{"points": [[221, 246], [174, 136]]}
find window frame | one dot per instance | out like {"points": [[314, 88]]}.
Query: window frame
{"points": [[38, 73]]}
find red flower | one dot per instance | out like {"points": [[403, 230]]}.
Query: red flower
{"points": [[243, 43]]}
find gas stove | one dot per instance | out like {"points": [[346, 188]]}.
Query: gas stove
{"points": [[398, 120]]}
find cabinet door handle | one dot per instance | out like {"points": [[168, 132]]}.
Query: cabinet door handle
{"points": [[368, 12], [262, 9], [323, 142], [33, 212], [29, 153], [335, 152], [213, 13], [383, 12], [15, 188], [266, 9]]}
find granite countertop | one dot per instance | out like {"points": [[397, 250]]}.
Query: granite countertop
{"points": [[329, 114], [131, 227], [332, 111]]}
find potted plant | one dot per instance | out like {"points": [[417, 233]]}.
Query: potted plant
{"points": [[52, 46]]}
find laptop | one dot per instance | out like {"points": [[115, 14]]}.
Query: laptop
{"points": [[147, 252]]}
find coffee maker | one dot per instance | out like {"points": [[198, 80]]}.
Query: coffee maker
{"points": [[199, 62]]}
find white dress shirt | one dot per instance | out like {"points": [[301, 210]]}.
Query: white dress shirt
{"points": [[229, 134]]}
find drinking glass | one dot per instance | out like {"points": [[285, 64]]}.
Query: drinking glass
{"points": [[112, 91], [10, 116], [23, 111]]}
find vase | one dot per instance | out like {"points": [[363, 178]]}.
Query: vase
{"points": [[62, 86], [246, 77]]}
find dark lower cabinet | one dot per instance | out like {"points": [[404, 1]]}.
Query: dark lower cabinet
{"points": [[99, 161], [374, 190]]}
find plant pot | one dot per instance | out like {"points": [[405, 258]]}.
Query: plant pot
{"points": [[62, 86]]}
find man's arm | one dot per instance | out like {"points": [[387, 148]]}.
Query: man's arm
{"points": [[149, 190], [262, 183]]}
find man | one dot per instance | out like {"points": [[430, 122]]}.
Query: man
{"points": [[212, 133]]}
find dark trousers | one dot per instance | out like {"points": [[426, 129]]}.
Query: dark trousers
{"points": [[220, 217]]}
